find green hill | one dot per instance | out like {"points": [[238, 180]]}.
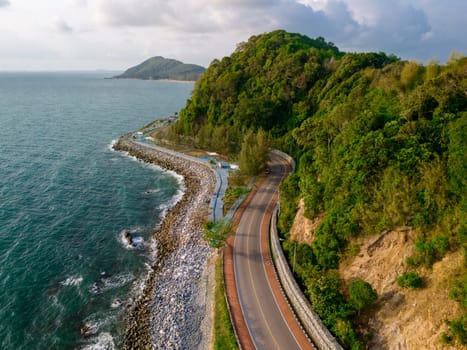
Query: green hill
{"points": [[157, 68], [379, 142]]}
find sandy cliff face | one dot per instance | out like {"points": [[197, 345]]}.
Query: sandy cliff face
{"points": [[402, 318], [303, 229]]}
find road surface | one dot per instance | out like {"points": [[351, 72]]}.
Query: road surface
{"points": [[269, 321]]}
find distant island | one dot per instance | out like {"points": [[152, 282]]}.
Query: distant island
{"points": [[159, 68]]}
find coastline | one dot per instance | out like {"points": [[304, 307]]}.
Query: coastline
{"points": [[174, 309], [164, 80]]}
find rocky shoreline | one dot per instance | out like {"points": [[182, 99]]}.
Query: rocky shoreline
{"points": [[173, 310]]}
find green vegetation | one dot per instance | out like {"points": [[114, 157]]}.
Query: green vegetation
{"points": [[216, 233], [158, 67], [232, 194], [459, 291], [458, 327], [361, 294], [427, 252], [379, 143], [290, 192], [224, 336], [326, 293], [253, 156], [410, 280]]}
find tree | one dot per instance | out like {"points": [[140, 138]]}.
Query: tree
{"points": [[254, 153], [379, 143], [361, 294], [432, 70], [411, 74]]}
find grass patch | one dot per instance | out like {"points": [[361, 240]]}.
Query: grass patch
{"points": [[216, 233], [224, 336], [231, 196]]}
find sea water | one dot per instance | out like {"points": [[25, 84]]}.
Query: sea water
{"points": [[66, 199]]}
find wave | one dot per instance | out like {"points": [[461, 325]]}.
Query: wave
{"points": [[152, 191], [110, 146], [130, 241], [107, 283], [104, 341], [152, 252], [116, 303], [180, 179], [165, 207], [72, 281], [133, 158]]}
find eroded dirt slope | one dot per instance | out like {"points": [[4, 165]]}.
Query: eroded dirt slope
{"points": [[402, 318]]}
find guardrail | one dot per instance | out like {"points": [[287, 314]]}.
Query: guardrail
{"points": [[288, 158], [309, 319]]}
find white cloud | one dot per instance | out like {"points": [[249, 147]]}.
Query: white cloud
{"points": [[189, 16], [4, 3], [78, 3], [118, 33], [412, 29], [62, 27], [352, 24]]}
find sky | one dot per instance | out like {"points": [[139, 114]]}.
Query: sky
{"points": [[116, 34]]}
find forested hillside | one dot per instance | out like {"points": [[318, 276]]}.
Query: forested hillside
{"points": [[157, 68], [379, 142]]}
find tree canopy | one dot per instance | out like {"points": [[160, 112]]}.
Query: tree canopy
{"points": [[379, 143], [158, 67]]}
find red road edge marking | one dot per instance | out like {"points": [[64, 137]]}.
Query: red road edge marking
{"points": [[239, 324], [283, 304], [241, 330]]}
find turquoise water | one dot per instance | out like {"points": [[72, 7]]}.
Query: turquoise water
{"points": [[66, 197]]}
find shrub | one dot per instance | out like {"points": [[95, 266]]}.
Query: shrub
{"points": [[410, 280], [445, 338], [361, 294], [216, 233], [427, 252], [232, 194], [458, 328], [459, 292]]}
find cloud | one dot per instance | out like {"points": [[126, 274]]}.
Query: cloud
{"points": [[62, 27], [358, 24], [125, 31], [395, 26], [398, 30], [79, 3], [334, 24], [211, 16], [411, 29]]}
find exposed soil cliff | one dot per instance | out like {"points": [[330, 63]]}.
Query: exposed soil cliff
{"points": [[303, 229], [401, 318]]}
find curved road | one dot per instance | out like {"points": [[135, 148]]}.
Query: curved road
{"points": [[270, 323]]}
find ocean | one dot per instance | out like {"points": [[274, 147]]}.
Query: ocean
{"points": [[66, 198]]}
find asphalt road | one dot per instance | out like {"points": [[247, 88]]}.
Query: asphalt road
{"points": [[261, 311]]}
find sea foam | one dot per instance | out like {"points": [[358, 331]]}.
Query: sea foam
{"points": [[107, 283], [104, 341], [72, 281]]}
